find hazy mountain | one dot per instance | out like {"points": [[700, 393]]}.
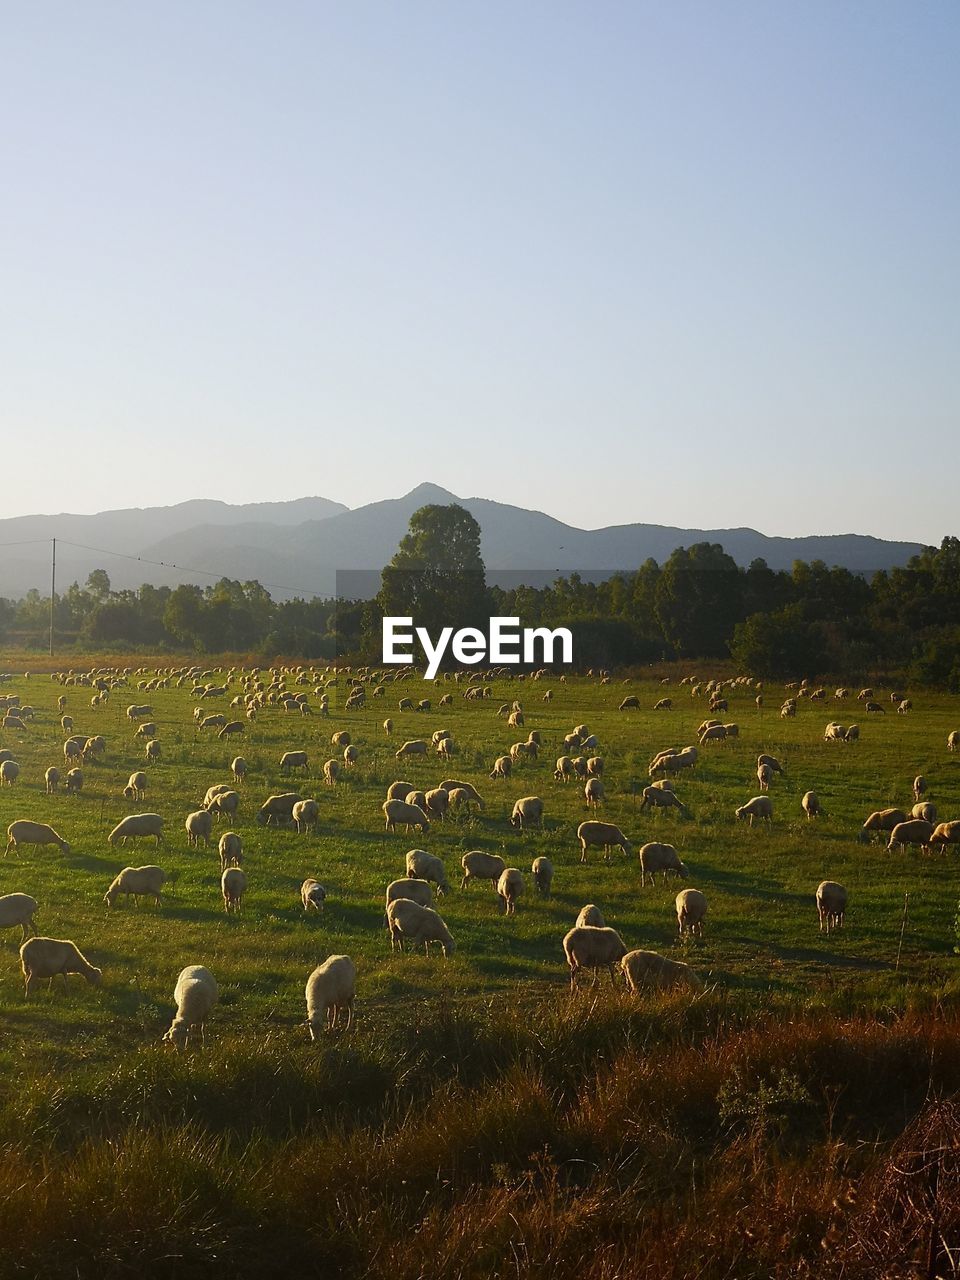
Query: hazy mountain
{"points": [[299, 546]]}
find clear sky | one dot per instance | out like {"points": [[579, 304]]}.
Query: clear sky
{"points": [[685, 263]]}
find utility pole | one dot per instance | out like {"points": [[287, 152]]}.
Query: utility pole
{"points": [[53, 590]]}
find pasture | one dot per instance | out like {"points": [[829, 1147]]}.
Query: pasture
{"points": [[86, 1067]]}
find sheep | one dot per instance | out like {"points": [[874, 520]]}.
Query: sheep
{"points": [[716, 733], [230, 848], [593, 792], [23, 831], [340, 739], [278, 808], [149, 729], [602, 835], [674, 762], [438, 802], [73, 782], [501, 767], [305, 814], [592, 947], [217, 789], [9, 772], [592, 915], [658, 798], [913, 831], [564, 770], [452, 784], [153, 750], [771, 761], [195, 995], [691, 908], [410, 922], [509, 889], [904, 706], [542, 871], [664, 704], [926, 810], [398, 811], [759, 807], [478, 865], [459, 799], [413, 747], [331, 987], [52, 780], [946, 833], [630, 703], [48, 957], [136, 786], [293, 760], [656, 857], [312, 895], [198, 827], [231, 728], [233, 885], [831, 905], [527, 812], [140, 881], [875, 707], [810, 804], [648, 970], [238, 767], [764, 774], [523, 751], [411, 888], [421, 865], [388, 726], [919, 787], [399, 790], [595, 766], [18, 908], [405, 704], [139, 712], [580, 766], [953, 740], [881, 820]]}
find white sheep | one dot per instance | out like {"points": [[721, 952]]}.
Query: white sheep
{"points": [[759, 807], [592, 947], [593, 792], [410, 922], [427, 866], [831, 905], [139, 881], [657, 798], [691, 909], [198, 827], [233, 885], [953, 740], [312, 894], [509, 889], [230, 849], [656, 857], [414, 747], [195, 995], [527, 812], [478, 865], [810, 804], [913, 831], [136, 786], [48, 957], [18, 908], [224, 804], [238, 767], [9, 773], [278, 808], [26, 832], [331, 987], [136, 825], [398, 812], [644, 970], [602, 835], [305, 815], [542, 872], [455, 784], [52, 780], [411, 888]]}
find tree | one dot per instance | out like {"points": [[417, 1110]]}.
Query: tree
{"points": [[437, 576], [699, 600], [98, 584]]}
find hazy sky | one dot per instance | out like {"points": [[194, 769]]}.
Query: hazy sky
{"points": [[686, 263]]}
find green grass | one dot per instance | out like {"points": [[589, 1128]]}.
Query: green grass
{"points": [[435, 1036]]}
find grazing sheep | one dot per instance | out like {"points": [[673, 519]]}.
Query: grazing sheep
{"points": [[224, 804], [831, 905], [230, 848], [603, 835], [210, 722], [293, 760], [233, 885], [238, 767], [139, 881], [656, 857], [631, 703], [195, 995], [399, 812], [593, 792], [926, 810], [305, 815], [759, 807], [48, 957], [881, 820], [231, 728], [9, 773], [542, 872], [509, 889], [810, 804], [592, 915], [52, 780], [153, 750], [198, 826], [478, 865], [136, 786], [399, 790], [331, 987], [388, 725], [595, 766], [414, 747], [715, 733], [919, 787], [953, 740], [410, 922], [764, 774], [427, 866], [501, 767], [149, 729], [23, 831], [946, 833], [451, 784], [341, 739], [411, 888], [312, 895], [564, 770], [18, 908], [278, 808], [646, 970], [913, 831], [772, 763], [675, 761], [658, 798], [527, 812], [437, 803], [834, 732], [592, 947], [691, 909], [876, 708]]}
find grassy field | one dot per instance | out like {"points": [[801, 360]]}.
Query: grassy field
{"points": [[506, 1081]]}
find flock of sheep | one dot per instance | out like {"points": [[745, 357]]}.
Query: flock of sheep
{"points": [[410, 915]]}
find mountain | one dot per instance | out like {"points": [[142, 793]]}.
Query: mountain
{"points": [[299, 547]]}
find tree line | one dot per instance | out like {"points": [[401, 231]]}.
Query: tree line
{"points": [[698, 604]]}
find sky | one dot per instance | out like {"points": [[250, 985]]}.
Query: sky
{"points": [[678, 263]]}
